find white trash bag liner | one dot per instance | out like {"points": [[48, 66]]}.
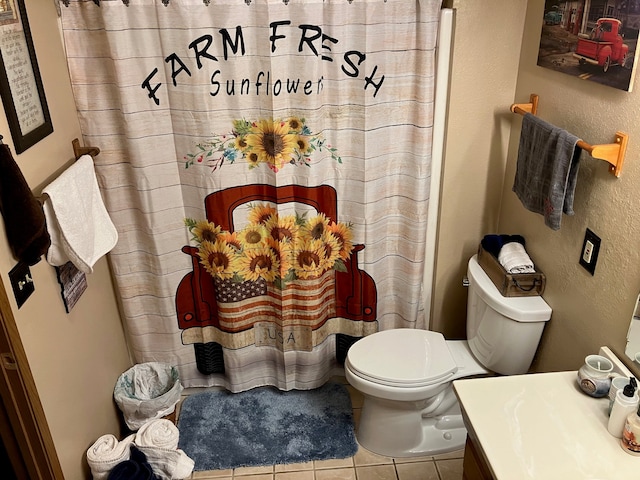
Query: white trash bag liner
{"points": [[147, 391]]}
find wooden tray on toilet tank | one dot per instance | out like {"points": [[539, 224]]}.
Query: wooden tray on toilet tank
{"points": [[511, 284]]}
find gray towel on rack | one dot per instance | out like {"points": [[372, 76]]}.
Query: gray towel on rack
{"points": [[546, 170]]}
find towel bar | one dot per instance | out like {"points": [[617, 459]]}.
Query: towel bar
{"points": [[613, 153]]}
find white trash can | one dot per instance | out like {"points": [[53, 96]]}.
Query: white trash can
{"points": [[147, 391]]}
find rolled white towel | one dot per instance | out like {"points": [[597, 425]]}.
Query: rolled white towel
{"points": [[106, 453], [158, 440], [158, 433], [515, 259]]}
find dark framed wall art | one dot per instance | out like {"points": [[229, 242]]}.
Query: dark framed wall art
{"points": [[21, 87]]}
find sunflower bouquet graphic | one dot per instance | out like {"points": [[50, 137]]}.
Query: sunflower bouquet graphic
{"points": [[277, 249], [274, 142]]}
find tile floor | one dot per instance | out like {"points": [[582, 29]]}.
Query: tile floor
{"points": [[364, 465]]}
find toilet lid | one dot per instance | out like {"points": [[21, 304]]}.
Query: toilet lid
{"points": [[402, 357]]}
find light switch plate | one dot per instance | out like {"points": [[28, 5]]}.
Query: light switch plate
{"points": [[21, 282]]}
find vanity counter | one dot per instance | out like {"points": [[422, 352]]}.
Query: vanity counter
{"points": [[542, 426]]}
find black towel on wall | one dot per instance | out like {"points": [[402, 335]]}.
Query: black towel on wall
{"points": [[24, 219]]}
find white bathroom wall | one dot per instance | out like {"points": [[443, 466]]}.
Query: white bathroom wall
{"points": [[75, 358], [484, 70], [494, 65], [588, 311]]}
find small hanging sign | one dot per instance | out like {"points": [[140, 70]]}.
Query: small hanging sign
{"points": [[73, 283]]}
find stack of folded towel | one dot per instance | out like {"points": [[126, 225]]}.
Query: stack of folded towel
{"points": [[155, 445], [510, 252], [515, 259]]}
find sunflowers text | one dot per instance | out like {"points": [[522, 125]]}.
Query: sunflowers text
{"points": [[311, 39]]}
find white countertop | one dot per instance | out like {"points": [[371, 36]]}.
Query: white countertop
{"points": [[542, 426]]}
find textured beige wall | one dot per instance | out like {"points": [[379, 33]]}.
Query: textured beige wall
{"points": [[587, 311], [484, 70], [75, 358]]}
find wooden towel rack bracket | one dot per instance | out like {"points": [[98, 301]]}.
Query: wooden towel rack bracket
{"points": [[531, 107], [613, 153], [78, 151]]}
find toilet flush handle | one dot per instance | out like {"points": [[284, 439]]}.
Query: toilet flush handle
{"points": [[465, 281]]}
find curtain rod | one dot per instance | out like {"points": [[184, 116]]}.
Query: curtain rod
{"points": [[166, 2]]}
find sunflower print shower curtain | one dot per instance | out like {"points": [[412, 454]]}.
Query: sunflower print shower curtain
{"points": [[267, 165]]}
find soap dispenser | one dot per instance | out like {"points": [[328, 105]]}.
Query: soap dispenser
{"points": [[625, 404], [630, 442]]}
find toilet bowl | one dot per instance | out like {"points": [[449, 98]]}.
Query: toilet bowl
{"points": [[406, 375]]}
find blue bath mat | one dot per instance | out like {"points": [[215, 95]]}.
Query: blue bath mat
{"points": [[265, 426]]}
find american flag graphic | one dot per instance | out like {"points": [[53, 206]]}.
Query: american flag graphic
{"points": [[301, 303]]}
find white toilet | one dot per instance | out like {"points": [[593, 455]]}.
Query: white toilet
{"points": [[406, 375]]}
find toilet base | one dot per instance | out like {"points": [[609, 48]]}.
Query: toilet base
{"points": [[401, 429]]}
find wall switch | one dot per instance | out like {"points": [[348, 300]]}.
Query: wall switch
{"points": [[21, 282], [590, 249]]}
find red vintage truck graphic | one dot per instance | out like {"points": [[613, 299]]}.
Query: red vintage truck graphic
{"points": [[210, 319], [604, 46]]}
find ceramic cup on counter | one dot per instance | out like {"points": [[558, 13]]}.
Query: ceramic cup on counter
{"points": [[594, 377]]}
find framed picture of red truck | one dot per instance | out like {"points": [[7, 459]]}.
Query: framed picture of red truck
{"points": [[592, 40]]}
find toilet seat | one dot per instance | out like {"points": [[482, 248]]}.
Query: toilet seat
{"points": [[402, 358]]}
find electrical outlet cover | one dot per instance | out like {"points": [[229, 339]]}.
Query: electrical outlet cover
{"points": [[592, 244]]}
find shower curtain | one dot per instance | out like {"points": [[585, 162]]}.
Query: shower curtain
{"points": [[267, 165]]}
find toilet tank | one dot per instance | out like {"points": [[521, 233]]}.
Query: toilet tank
{"points": [[503, 332]]}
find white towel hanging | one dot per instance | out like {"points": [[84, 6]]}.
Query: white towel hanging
{"points": [[80, 228]]}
